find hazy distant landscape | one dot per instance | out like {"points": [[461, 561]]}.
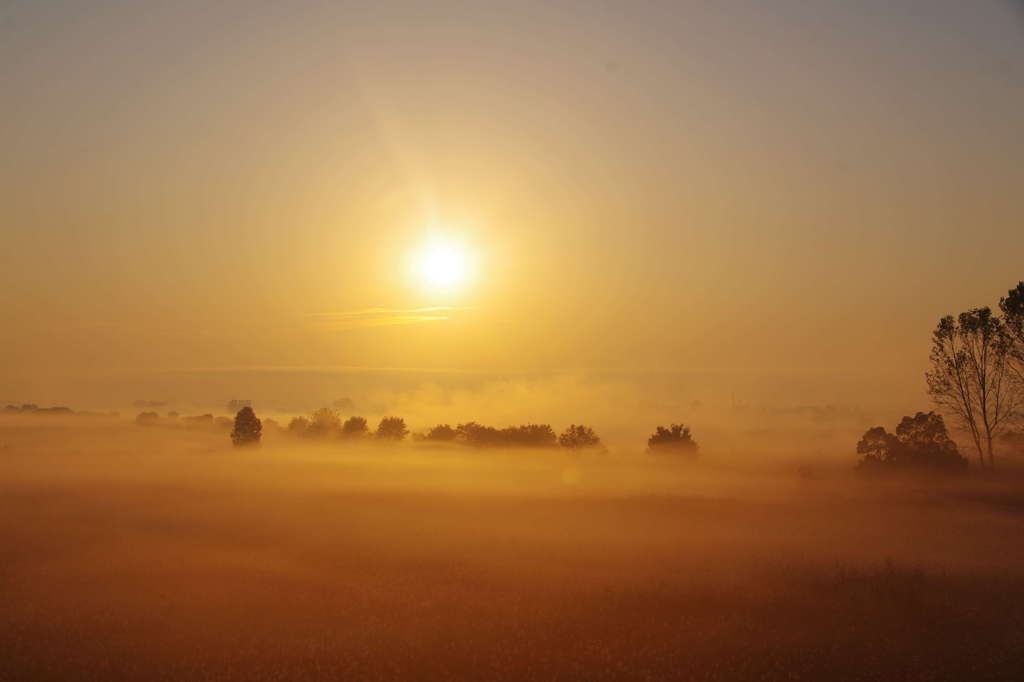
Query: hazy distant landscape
{"points": [[146, 554]]}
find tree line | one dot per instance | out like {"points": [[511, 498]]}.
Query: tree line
{"points": [[326, 424]]}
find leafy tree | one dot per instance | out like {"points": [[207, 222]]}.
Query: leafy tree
{"points": [[442, 432], [392, 428], [355, 427], [920, 442], [298, 426], [970, 376], [248, 429], [1012, 306], [675, 439], [324, 423], [877, 445], [576, 437]]}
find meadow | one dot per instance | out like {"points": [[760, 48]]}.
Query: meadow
{"points": [[151, 554]]}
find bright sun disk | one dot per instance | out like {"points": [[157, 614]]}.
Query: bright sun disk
{"points": [[443, 266]]}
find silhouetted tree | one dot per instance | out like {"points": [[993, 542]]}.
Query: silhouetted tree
{"points": [[355, 427], [675, 439], [530, 435], [1012, 306], [298, 426], [525, 435], [576, 437], [392, 428], [248, 429], [877, 445], [476, 434], [147, 419], [920, 442], [441, 432], [970, 376], [324, 423]]}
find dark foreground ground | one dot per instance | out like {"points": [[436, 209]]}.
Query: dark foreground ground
{"points": [[160, 556]]}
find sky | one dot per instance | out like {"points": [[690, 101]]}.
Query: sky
{"points": [[775, 199]]}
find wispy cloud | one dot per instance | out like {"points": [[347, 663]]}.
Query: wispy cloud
{"points": [[381, 317]]}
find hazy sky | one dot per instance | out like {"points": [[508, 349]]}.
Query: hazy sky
{"points": [[739, 187]]}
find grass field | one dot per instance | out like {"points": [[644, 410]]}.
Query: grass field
{"points": [[149, 554]]}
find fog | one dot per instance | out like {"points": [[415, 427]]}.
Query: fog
{"points": [[147, 553]]}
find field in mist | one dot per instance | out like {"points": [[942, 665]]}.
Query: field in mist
{"points": [[132, 553]]}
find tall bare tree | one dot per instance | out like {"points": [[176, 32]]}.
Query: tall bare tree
{"points": [[971, 376]]}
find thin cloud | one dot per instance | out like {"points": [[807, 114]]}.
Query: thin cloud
{"points": [[382, 317]]}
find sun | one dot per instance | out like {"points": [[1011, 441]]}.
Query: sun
{"points": [[443, 266]]}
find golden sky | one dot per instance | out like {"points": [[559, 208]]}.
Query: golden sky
{"points": [[740, 188]]}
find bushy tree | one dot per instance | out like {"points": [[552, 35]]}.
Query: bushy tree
{"points": [[920, 442], [579, 436], [392, 428], [324, 423], [298, 426], [247, 429], [355, 427], [675, 439], [442, 433]]}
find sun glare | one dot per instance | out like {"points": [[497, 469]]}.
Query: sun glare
{"points": [[443, 266]]}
